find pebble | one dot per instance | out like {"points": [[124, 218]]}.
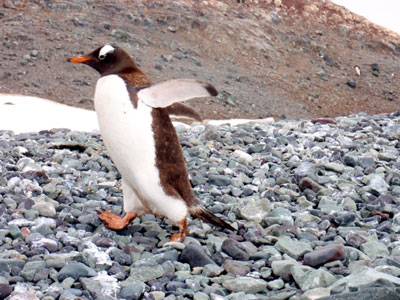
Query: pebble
{"points": [[195, 256], [246, 284], [234, 249], [236, 267], [293, 248], [75, 270], [324, 255]]}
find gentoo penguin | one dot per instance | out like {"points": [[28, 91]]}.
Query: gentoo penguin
{"points": [[134, 122]]}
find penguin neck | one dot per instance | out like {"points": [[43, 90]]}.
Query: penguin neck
{"points": [[135, 76]]}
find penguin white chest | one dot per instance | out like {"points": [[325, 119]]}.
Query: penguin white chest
{"points": [[129, 138], [126, 131]]}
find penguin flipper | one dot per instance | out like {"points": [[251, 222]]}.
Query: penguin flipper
{"points": [[168, 92], [181, 110]]}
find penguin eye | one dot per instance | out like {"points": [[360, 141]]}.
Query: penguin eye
{"points": [[102, 56]]}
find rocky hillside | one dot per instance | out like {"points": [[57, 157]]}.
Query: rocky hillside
{"points": [[282, 58]]}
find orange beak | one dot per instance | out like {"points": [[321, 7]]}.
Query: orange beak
{"points": [[78, 59]]}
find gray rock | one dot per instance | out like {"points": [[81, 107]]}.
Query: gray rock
{"points": [[339, 168], [131, 292], [280, 216], [276, 284], [254, 209], [46, 209], [317, 293], [293, 248], [195, 256], [374, 249], [376, 293], [364, 276], [212, 270], [367, 162], [200, 296], [219, 180], [31, 268], [281, 267], [15, 231], [145, 273], [102, 286], [312, 279], [246, 284], [95, 258], [236, 268], [157, 259], [376, 184], [75, 270], [5, 290], [242, 157], [233, 248]]}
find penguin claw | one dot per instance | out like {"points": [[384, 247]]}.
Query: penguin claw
{"points": [[115, 222], [177, 238], [183, 231]]}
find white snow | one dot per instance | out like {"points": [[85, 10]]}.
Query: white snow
{"points": [[31, 114], [21, 114]]}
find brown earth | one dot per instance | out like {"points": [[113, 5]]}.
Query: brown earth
{"points": [[283, 58]]}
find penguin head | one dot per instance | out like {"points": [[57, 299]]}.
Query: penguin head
{"points": [[108, 59]]}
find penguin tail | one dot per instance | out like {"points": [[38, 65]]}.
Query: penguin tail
{"points": [[203, 214]]}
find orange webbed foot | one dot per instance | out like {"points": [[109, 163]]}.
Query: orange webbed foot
{"points": [[183, 231], [115, 222]]}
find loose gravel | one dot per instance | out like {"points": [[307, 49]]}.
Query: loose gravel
{"points": [[315, 207]]}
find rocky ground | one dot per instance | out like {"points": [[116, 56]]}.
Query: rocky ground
{"points": [[281, 58], [315, 207], [315, 204]]}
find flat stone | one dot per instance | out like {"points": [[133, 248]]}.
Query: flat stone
{"points": [[145, 273], [324, 255], [131, 292], [220, 180], [276, 284], [312, 279], [242, 157], [255, 209], [376, 184], [317, 293], [363, 276], [339, 168], [376, 293], [293, 248], [246, 284], [281, 267], [235, 267], [280, 216], [212, 270], [158, 259], [328, 205], [75, 270], [200, 296], [45, 209], [374, 249]]}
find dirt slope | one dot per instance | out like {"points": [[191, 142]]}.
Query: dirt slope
{"points": [[287, 59]]}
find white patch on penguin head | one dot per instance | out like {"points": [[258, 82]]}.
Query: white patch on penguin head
{"points": [[107, 48]]}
